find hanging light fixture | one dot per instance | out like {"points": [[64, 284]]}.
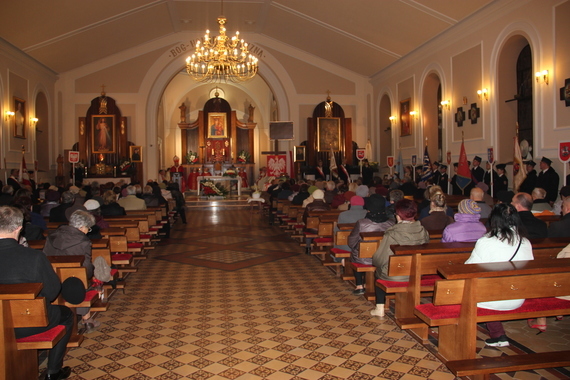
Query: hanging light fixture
{"points": [[221, 59]]}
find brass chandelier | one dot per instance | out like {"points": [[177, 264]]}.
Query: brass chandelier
{"points": [[221, 59]]}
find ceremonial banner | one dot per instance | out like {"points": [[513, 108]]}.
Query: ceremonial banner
{"points": [[519, 174], [564, 151], [491, 155], [463, 172], [426, 172], [361, 154], [390, 160]]}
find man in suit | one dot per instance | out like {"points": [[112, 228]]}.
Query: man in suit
{"points": [[20, 265], [535, 227], [57, 214], [562, 227], [477, 172], [530, 181], [548, 180]]}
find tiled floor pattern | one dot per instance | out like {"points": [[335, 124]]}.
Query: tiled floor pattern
{"points": [[284, 318]]}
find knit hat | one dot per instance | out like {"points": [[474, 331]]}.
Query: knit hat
{"points": [[91, 204], [362, 191], [469, 206], [357, 201], [318, 194], [483, 186], [73, 290]]}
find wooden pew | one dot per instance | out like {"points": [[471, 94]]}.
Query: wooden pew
{"points": [[367, 249], [537, 281], [20, 307], [424, 260]]}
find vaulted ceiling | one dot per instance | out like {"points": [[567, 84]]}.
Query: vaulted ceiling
{"points": [[363, 36]]}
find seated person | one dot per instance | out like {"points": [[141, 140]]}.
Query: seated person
{"points": [[149, 198], [437, 219], [131, 201], [424, 206], [51, 201], [57, 214], [19, 265], [69, 240], [94, 208], [376, 219], [407, 231], [478, 195], [535, 228], [318, 204], [561, 228], [467, 226], [504, 242], [539, 203], [110, 207]]}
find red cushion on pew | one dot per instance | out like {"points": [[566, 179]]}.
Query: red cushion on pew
{"points": [[299, 226], [338, 250], [154, 229], [529, 305], [145, 236], [121, 256], [323, 240], [114, 272], [46, 336], [427, 280], [89, 295], [361, 265], [135, 245]]}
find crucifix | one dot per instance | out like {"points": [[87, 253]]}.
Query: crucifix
{"points": [[276, 149]]}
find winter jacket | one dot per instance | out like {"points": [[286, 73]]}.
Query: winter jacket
{"points": [[354, 239], [467, 227], [69, 241]]}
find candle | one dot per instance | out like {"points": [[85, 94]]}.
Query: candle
{"points": [[223, 152], [213, 152]]}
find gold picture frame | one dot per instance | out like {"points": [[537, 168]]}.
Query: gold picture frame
{"points": [[103, 133], [405, 119], [299, 153], [135, 153], [19, 125], [217, 125], [328, 134]]}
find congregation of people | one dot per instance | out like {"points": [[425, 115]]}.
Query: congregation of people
{"points": [[80, 211], [407, 208]]}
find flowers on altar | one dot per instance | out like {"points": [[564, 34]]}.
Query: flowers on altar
{"points": [[191, 157], [243, 157], [230, 172], [211, 189]]}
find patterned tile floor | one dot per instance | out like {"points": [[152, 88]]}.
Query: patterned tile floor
{"points": [[227, 297]]}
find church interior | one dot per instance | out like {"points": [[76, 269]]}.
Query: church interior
{"points": [[104, 91]]}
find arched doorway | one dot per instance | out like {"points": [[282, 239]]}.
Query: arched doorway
{"points": [[515, 99], [384, 131]]}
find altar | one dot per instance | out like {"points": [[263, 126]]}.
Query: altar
{"points": [[237, 180]]}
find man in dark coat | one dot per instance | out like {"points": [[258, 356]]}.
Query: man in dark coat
{"points": [[536, 228], [57, 214], [529, 183], [548, 180], [477, 172], [562, 227], [13, 180], [20, 265]]}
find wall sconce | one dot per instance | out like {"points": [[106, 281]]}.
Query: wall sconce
{"points": [[414, 114], [543, 74], [484, 93], [446, 104], [392, 119], [9, 115], [33, 121]]}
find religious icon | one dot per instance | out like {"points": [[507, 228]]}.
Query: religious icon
{"points": [[217, 125], [102, 127]]}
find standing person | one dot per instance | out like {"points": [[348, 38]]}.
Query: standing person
{"points": [[530, 181], [548, 180], [477, 172], [367, 172], [504, 242], [407, 231], [20, 265], [180, 207], [13, 180], [502, 183]]}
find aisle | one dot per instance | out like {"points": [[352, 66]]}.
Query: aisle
{"points": [[268, 314]]}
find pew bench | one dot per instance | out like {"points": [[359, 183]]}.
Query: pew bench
{"points": [[20, 306], [454, 309]]}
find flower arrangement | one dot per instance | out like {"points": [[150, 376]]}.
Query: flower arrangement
{"points": [[125, 165], [211, 189], [191, 157], [231, 172], [243, 157]]}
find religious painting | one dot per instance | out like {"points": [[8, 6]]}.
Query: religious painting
{"points": [[474, 113], [103, 133], [217, 125], [135, 153], [299, 153], [328, 134], [565, 92], [405, 119], [460, 117], [19, 118]]}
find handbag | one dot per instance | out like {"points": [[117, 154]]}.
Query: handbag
{"points": [[513, 256]]}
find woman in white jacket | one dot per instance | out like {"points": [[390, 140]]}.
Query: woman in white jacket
{"points": [[504, 242]]}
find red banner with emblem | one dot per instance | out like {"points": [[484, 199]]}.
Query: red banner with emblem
{"points": [[564, 151], [390, 160], [361, 154]]}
